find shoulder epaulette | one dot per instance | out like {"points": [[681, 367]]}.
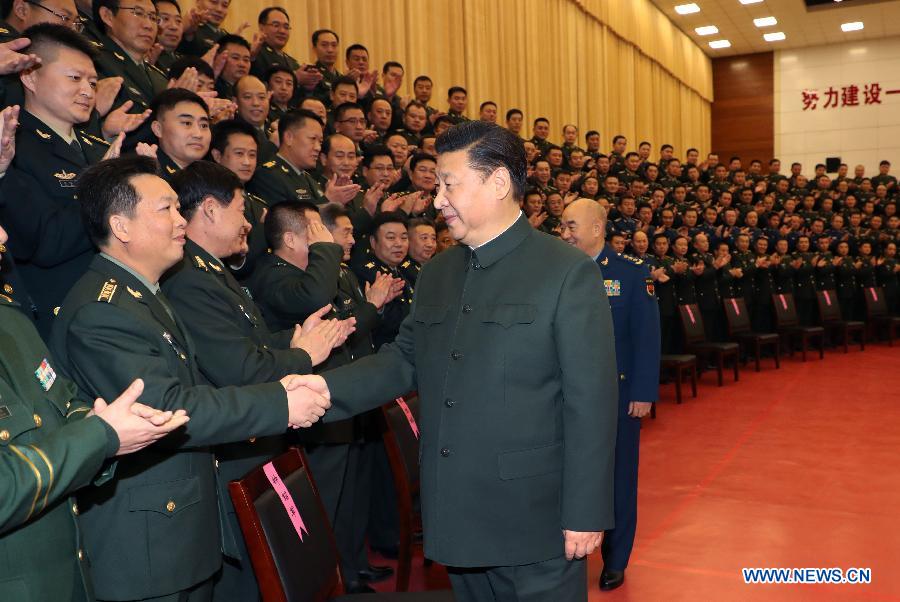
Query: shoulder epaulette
{"points": [[258, 199], [94, 138], [269, 164], [96, 44], [108, 291], [405, 264], [632, 259], [199, 263], [370, 265], [118, 56], [6, 299], [157, 69]]}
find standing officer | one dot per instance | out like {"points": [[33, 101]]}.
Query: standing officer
{"points": [[517, 413], [48, 449], [635, 313]]}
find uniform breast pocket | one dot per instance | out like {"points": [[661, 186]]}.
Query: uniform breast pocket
{"points": [[508, 315], [15, 419], [429, 315], [167, 499]]}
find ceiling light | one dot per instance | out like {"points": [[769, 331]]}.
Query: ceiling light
{"points": [[775, 36], [687, 9], [720, 44], [751, 1], [765, 22], [707, 30], [852, 26]]}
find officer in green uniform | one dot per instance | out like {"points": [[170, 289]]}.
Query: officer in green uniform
{"points": [[128, 34], [86, 13], [155, 531], [325, 44], [180, 122], [233, 344], [203, 27], [49, 448], [275, 28], [518, 415], [40, 211], [287, 176]]}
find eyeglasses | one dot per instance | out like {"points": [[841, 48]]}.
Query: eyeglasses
{"points": [[140, 13], [75, 23], [277, 25]]}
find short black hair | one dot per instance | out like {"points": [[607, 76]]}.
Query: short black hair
{"points": [[271, 71], [224, 130], [285, 217], [172, 2], [330, 213], [643, 142], [296, 118], [618, 137], [374, 151], [105, 189], [387, 217], [454, 89], [666, 147], [353, 47], [340, 111], [167, 100], [415, 222], [419, 158], [46, 36], [444, 119], [319, 32], [512, 112], [486, 103], [202, 179], [264, 14], [591, 133], [390, 64], [488, 147], [230, 38], [541, 119], [688, 151], [186, 62]]}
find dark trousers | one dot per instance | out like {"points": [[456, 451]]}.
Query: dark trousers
{"points": [[618, 542], [384, 522], [557, 579], [202, 592], [351, 520]]}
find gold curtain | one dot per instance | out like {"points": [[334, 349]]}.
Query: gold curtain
{"points": [[616, 66]]}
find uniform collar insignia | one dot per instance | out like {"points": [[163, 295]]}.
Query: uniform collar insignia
{"points": [[43, 135], [170, 169], [215, 267], [604, 261], [134, 293], [118, 56], [370, 265], [4, 31], [405, 264], [284, 169], [88, 142], [200, 263], [6, 298], [269, 164], [65, 175], [7, 289]]}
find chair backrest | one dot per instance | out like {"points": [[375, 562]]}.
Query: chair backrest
{"points": [[737, 316], [876, 304], [287, 532], [692, 323], [785, 310], [401, 440], [829, 308]]}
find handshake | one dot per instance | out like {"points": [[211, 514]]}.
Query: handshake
{"points": [[308, 398]]}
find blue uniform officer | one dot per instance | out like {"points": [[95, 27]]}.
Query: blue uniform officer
{"points": [[635, 313]]}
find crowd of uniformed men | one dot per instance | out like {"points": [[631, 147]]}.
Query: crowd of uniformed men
{"points": [[336, 172]]}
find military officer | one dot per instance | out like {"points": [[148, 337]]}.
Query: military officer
{"points": [[171, 30], [662, 271], [203, 26], [325, 45], [706, 284], [530, 444], [161, 510], [233, 344], [129, 32], [275, 30], [422, 246], [46, 234], [180, 122], [49, 448], [20, 15], [635, 313], [252, 99], [286, 177], [86, 14]]}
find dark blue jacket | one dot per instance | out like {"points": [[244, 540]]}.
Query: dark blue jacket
{"points": [[635, 313]]}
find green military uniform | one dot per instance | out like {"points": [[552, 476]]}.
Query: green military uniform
{"points": [[233, 347], [322, 90], [518, 420], [41, 214], [48, 449], [155, 530], [8, 33], [167, 166], [410, 269], [412, 138], [204, 38], [393, 313], [141, 81], [542, 144], [166, 59], [268, 57], [91, 30], [277, 181]]}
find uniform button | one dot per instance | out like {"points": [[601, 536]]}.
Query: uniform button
{"points": [[170, 506], [75, 509], [80, 554], [622, 376], [4, 435], [217, 463], [455, 354], [467, 309], [68, 404], [37, 420], [449, 402], [252, 439], [445, 452]]}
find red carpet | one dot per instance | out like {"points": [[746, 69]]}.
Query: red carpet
{"points": [[795, 467]]}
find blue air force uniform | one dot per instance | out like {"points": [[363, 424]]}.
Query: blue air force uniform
{"points": [[635, 313]]}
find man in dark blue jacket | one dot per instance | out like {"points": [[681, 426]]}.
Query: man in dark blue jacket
{"points": [[635, 313]]}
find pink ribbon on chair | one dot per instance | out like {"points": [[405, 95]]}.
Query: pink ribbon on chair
{"points": [[409, 416], [827, 298], [737, 309], [783, 301], [287, 500], [690, 314], [874, 294]]}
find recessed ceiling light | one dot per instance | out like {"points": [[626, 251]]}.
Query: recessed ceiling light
{"points": [[687, 9], [765, 21], [707, 30], [775, 36], [852, 26], [751, 1], [720, 44]]}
